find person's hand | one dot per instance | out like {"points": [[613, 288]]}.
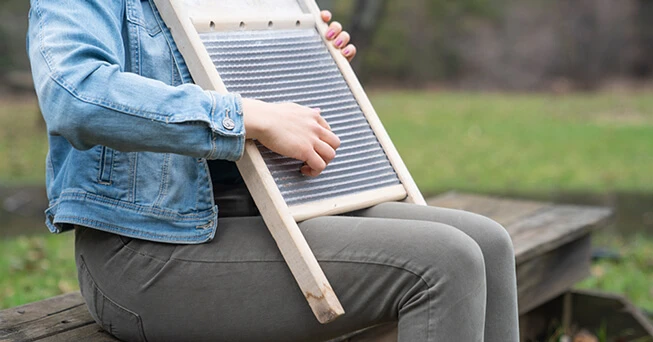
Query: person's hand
{"points": [[293, 131], [338, 37]]}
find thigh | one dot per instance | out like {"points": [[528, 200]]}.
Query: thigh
{"points": [[238, 287], [493, 239]]}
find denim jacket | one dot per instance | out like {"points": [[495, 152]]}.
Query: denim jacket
{"points": [[129, 134]]}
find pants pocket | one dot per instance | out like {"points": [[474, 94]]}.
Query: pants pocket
{"points": [[117, 320]]}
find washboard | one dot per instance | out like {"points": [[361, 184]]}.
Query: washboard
{"points": [[273, 50]]}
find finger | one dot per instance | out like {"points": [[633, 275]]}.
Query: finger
{"points": [[342, 40], [306, 170], [316, 163], [326, 16], [331, 139], [323, 122], [326, 152], [349, 52], [334, 29]]}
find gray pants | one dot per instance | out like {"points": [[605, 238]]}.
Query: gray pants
{"points": [[440, 274]]}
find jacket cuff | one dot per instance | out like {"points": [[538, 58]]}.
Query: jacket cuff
{"points": [[227, 127]]}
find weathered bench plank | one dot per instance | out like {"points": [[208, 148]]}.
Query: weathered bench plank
{"points": [[33, 311], [552, 227], [504, 211], [547, 276], [87, 333], [51, 324]]}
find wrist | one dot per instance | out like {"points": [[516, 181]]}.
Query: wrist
{"points": [[254, 125]]}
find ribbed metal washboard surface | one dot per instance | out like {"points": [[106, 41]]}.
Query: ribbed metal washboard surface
{"points": [[295, 66]]}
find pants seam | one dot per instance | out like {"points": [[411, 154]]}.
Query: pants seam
{"points": [[283, 261], [148, 255]]}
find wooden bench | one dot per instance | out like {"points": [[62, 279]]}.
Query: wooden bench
{"points": [[552, 250]]}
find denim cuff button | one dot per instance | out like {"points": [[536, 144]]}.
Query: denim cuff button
{"points": [[228, 124]]}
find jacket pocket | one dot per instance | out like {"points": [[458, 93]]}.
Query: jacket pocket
{"points": [[106, 166], [117, 320], [150, 53], [141, 12]]}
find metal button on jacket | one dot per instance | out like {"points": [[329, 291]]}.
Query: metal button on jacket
{"points": [[228, 124]]}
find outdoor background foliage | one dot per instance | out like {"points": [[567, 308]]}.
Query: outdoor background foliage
{"points": [[470, 44]]}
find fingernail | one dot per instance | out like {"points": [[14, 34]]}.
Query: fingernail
{"points": [[331, 33], [338, 42], [347, 51]]}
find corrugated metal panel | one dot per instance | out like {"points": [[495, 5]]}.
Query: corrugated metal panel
{"points": [[295, 66]]}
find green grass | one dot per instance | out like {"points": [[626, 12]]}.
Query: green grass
{"points": [[489, 143], [498, 143], [36, 267], [23, 143], [631, 275]]}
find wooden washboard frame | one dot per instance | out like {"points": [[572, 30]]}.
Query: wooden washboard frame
{"points": [[186, 19]]}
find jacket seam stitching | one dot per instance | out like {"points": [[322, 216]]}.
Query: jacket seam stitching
{"points": [[212, 136], [163, 185], [111, 228], [131, 206]]}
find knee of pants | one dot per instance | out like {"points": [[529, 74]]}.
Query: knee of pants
{"points": [[454, 261], [493, 238]]}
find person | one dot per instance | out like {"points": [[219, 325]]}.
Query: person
{"points": [[137, 153]]}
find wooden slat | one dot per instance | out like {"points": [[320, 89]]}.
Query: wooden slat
{"points": [[547, 276], [553, 227], [290, 240], [87, 333], [343, 204], [49, 325], [33, 311], [504, 211]]}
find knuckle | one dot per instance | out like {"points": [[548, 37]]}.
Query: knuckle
{"points": [[305, 153], [332, 154]]}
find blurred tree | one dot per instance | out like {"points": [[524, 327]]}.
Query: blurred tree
{"points": [[13, 27], [361, 18], [643, 66], [325, 4], [507, 44], [417, 41], [364, 23]]}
